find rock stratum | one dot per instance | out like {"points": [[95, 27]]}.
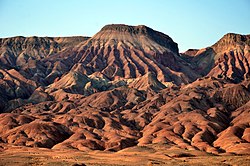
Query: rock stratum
{"points": [[125, 86]]}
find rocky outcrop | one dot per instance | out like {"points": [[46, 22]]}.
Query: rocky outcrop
{"points": [[228, 58], [146, 82]]}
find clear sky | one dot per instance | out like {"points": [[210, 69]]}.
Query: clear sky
{"points": [[190, 23]]}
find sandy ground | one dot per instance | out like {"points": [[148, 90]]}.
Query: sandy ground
{"points": [[150, 155]]}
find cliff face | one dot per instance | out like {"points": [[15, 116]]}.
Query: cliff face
{"points": [[125, 86]]}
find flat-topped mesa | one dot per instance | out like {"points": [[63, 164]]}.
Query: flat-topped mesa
{"points": [[134, 33], [121, 51], [140, 29]]}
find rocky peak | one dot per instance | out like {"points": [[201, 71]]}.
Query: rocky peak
{"points": [[231, 41], [149, 80], [233, 37], [191, 52]]}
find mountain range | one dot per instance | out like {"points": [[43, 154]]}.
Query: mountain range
{"points": [[125, 86]]}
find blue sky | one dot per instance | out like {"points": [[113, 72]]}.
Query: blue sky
{"points": [[190, 23]]}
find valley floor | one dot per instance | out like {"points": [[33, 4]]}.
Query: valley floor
{"points": [[144, 155]]}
